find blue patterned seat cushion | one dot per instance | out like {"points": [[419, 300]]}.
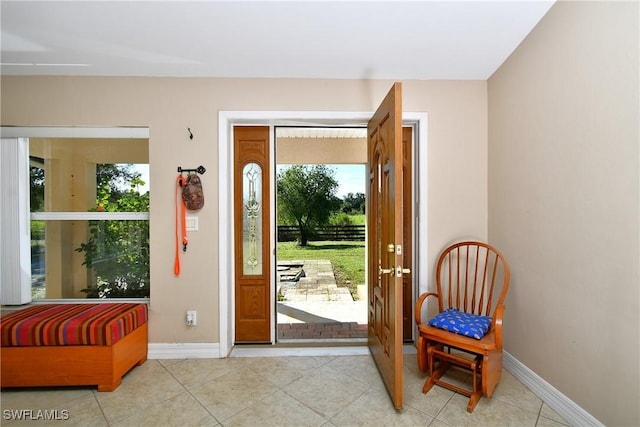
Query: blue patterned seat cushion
{"points": [[469, 325]]}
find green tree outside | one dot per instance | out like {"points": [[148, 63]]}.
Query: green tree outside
{"points": [[36, 199], [354, 204], [306, 197]]}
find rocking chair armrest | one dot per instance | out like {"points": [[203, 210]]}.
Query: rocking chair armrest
{"points": [[418, 309], [497, 324]]}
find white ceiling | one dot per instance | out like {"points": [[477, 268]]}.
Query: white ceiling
{"points": [[288, 39]]}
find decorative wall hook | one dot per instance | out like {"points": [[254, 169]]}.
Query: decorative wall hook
{"points": [[190, 134], [199, 169]]}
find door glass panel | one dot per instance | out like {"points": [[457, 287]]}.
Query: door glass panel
{"points": [[252, 219]]}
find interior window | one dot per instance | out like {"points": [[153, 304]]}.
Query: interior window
{"points": [[89, 203]]}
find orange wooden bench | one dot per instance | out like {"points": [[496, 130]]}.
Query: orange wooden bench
{"points": [[72, 344]]}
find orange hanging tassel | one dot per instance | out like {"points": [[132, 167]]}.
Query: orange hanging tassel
{"points": [[181, 223]]}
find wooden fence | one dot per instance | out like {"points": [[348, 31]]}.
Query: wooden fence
{"points": [[355, 233]]}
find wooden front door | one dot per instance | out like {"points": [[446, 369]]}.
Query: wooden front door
{"points": [[251, 201], [385, 240]]}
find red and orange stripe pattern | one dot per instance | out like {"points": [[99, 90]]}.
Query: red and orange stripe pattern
{"points": [[71, 324]]}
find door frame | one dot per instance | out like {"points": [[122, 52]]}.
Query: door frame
{"points": [[226, 121]]}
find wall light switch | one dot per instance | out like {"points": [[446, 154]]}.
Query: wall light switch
{"points": [[192, 223]]}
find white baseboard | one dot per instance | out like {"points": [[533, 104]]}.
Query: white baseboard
{"points": [[565, 407], [183, 351]]}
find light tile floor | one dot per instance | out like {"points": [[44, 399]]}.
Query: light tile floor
{"points": [[279, 391]]}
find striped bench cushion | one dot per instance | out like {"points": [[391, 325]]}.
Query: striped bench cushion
{"points": [[71, 324]]}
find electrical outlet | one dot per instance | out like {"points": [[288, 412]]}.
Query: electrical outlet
{"points": [[192, 319]]}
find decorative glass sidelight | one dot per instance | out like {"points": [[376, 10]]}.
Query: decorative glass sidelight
{"points": [[252, 219]]}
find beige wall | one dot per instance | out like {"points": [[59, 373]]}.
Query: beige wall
{"points": [[294, 151], [564, 203], [456, 171]]}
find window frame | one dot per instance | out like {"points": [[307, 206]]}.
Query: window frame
{"points": [[14, 289]]}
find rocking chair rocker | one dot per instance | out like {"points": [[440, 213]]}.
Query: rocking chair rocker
{"points": [[468, 275]]}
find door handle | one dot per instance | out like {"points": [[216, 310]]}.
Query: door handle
{"points": [[400, 271], [382, 271]]}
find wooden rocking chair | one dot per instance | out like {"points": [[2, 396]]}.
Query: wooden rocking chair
{"points": [[472, 279]]}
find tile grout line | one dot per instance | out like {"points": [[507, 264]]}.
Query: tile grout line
{"points": [[95, 397], [190, 394], [443, 406], [346, 407], [317, 368], [306, 406]]}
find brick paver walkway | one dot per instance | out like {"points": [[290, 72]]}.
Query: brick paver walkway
{"points": [[321, 330]]}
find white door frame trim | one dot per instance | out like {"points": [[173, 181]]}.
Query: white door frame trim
{"points": [[226, 121]]}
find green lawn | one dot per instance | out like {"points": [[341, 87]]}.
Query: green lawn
{"points": [[359, 219], [347, 259]]}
